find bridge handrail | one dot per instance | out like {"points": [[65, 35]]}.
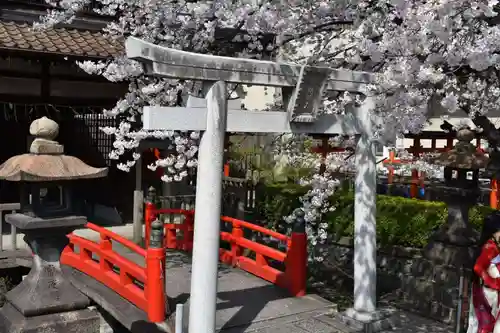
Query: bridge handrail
{"points": [[121, 283], [176, 211], [292, 278], [170, 229], [149, 297], [257, 228], [294, 258], [117, 238], [262, 249]]}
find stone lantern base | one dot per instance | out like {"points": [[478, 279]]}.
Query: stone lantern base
{"points": [[45, 301], [453, 244], [78, 321]]}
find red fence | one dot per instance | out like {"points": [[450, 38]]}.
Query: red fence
{"points": [[179, 236], [142, 286]]}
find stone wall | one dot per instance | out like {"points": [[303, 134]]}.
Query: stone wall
{"points": [[405, 279]]}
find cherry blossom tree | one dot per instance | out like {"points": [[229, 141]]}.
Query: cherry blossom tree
{"points": [[236, 28], [432, 57]]}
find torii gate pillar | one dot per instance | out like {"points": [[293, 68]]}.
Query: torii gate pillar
{"points": [[305, 90]]}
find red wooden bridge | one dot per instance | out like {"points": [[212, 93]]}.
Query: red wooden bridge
{"points": [[117, 273]]}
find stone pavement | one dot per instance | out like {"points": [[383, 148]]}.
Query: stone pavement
{"points": [[249, 304]]}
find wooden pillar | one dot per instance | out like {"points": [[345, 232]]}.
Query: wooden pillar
{"points": [[449, 143], [417, 147], [227, 144], [414, 184], [390, 176], [494, 194], [45, 81], [324, 152]]}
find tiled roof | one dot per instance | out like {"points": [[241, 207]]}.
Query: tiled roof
{"points": [[20, 36]]}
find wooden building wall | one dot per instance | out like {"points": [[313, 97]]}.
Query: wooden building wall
{"points": [[43, 79], [32, 86]]}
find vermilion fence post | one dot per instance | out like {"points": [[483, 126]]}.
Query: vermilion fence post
{"points": [[171, 238], [235, 248], [105, 245], [155, 265], [414, 184], [187, 241], [494, 194], [296, 263], [149, 217]]}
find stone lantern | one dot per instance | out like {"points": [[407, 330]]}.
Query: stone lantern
{"points": [[45, 300], [453, 244]]}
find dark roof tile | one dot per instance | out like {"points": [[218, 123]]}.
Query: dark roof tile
{"points": [[62, 41]]}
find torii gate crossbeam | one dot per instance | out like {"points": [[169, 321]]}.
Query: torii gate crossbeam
{"points": [[303, 89]]}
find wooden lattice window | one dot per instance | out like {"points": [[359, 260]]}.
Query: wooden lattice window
{"points": [[99, 140]]}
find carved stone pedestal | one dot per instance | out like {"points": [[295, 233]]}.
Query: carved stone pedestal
{"points": [[453, 244], [45, 301], [379, 320], [78, 321]]}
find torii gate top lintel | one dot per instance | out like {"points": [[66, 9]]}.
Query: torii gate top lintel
{"points": [[303, 94], [303, 86], [166, 62]]}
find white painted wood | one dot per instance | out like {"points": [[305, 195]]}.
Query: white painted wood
{"points": [[196, 102], [205, 260], [170, 63], [194, 119]]}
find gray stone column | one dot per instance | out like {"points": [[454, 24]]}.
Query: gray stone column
{"points": [[453, 244], [45, 301]]}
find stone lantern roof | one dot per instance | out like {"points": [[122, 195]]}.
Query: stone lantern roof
{"points": [[464, 155], [46, 160]]}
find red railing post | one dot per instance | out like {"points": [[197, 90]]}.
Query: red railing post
{"points": [[155, 266], [149, 216], [236, 234], [105, 245], [414, 183], [171, 237], [187, 241], [494, 194], [296, 262]]}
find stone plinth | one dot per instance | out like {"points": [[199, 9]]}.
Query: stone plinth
{"points": [[78, 321], [453, 244], [370, 322], [45, 298]]}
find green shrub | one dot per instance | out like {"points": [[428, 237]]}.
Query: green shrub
{"points": [[278, 200], [400, 221]]}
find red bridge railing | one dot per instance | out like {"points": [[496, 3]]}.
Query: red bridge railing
{"points": [[294, 276], [142, 286]]}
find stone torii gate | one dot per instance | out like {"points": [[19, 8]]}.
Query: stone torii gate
{"points": [[303, 88]]}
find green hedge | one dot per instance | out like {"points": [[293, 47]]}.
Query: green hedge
{"points": [[400, 221]]}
